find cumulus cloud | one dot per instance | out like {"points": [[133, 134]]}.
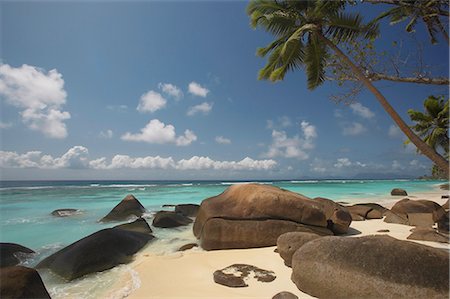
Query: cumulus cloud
{"points": [[345, 162], [203, 108], [353, 129], [394, 131], [361, 110], [39, 95], [197, 90], [292, 147], [222, 140], [158, 132], [171, 90], [77, 157], [108, 134], [151, 102]]}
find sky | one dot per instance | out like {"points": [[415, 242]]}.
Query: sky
{"points": [[168, 91]]}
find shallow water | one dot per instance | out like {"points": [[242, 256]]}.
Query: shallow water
{"points": [[25, 218]]}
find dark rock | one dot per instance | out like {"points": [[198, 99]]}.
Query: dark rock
{"points": [[421, 219], [240, 234], [428, 234], [169, 206], [443, 224], [8, 252], [129, 206], [370, 267], [255, 215], [383, 231], [139, 225], [406, 206], [65, 212], [445, 205], [188, 246], [444, 186], [367, 211], [337, 215], [97, 252], [234, 275], [21, 282], [285, 295], [288, 243], [189, 210], [391, 217], [357, 217], [398, 192], [166, 219]]}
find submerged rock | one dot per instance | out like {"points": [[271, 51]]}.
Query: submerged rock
{"points": [[253, 215], [234, 275], [97, 252], [8, 252], [370, 267], [129, 206], [21, 282], [166, 219], [398, 192], [65, 212]]}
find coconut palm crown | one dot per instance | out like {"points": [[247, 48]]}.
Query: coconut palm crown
{"points": [[299, 28]]}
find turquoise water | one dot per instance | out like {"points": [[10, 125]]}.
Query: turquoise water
{"points": [[25, 218]]}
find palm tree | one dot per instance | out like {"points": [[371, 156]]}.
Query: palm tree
{"points": [[427, 11], [432, 125], [305, 31]]}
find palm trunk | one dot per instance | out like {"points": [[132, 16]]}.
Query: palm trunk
{"points": [[419, 143]]}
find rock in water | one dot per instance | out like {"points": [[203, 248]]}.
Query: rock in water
{"points": [[398, 192], [289, 243], [65, 212], [139, 225], [166, 219], [100, 251], [252, 215], [233, 276], [189, 210], [21, 282], [370, 267], [129, 206], [8, 253]]}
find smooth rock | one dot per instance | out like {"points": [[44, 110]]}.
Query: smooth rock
{"points": [[8, 252], [21, 282], [398, 192], [65, 212], [167, 219], [338, 217], [97, 252], [421, 219], [188, 246], [391, 217], [189, 210], [284, 295], [129, 206], [428, 234], [234, 275], [370, 267], [445, 205], [289, 243], [140, 225], [367, 211], [406, 206]]}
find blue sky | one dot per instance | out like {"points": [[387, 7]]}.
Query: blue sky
{"points": [[153, 90]]}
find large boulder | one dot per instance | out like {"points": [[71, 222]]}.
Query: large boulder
{"points": [[9, 252], [406, 206], [166, 219], [370, 267], [189, 210], [129, 206], [363, 211], [21, 282], [398, 192], [139, 225], [253, 215], [428, 234], [289, 243], [97, 252], [338, 217]]}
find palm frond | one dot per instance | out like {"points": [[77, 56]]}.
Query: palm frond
{"points": [[315, 60]]}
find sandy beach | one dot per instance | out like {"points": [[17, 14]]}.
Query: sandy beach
{"points": [[189, 274]]}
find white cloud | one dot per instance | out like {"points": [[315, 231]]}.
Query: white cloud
{"points": [[345, 162], [151, 102], [158, 132], [4, 125], [222, 140], [361, 110], [353, 129], [203, 108], [171, 90], [394, 131], [108, 134], [118, 108], [197, 90], [319, 166], [40, 95], [295, 147], [77, 157], [282, 122]]}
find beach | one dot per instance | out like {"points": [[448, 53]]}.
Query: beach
{"points": [[189, 274]]}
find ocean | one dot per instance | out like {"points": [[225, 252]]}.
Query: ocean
{"points": [[25, 218]]}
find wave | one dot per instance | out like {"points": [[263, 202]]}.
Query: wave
{"points": [[243, 183], [305, 182]]}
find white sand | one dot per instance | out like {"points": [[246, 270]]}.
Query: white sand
{"points": [[189, 274]]}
